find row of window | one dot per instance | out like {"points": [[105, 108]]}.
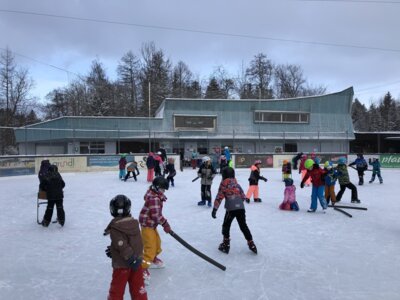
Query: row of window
{"points": [[210, 122]]}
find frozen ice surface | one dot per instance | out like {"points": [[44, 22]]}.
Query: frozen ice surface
{"points": [[300, 255]]}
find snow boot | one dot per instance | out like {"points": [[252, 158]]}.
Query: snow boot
{"points": [[257, 200], [225, 246], [252, 246], [247, 200], [201, 203]]}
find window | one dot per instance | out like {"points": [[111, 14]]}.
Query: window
{"points": [[195, 122], [280, 117], [92, 148]]}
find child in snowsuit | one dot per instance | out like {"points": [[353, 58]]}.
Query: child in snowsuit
{"points": [[159, 165], [132, 168], [170, 170], [330, 178], [126, 251], [122, 165], [361, 166], [149, 218], [315, 173], [286, 170], [344, 182], [44, 167], [253, 182], [234, 197], [222, 163], [53, 185], [295, 159], [206, 173], [303, 170], [289, 200], [227, 154], [376, 170], [150, 164]]}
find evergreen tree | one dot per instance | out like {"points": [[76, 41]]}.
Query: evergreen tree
{"points": [[213, 90], [359, 115]]}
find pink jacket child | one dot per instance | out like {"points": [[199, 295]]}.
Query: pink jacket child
{"points": [[289, 201]]}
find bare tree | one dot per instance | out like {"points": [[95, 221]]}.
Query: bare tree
{"points": [[260, 74], [181, 80]]}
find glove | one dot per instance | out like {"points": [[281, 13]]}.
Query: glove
{"points": [[265, 179], [108, 251], [134, 262], [214, 213], [166, 227], [302, 184]]}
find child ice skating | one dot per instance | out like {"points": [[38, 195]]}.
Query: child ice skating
{"points": [[234, 197], [132, 168], [361, 166], [53, 184], [170, 171], [253, 182], [122, 165], [376, 170], [344, 181], [126, 251], [286, 170], [330, 178], [206, 173], [303, 170], [149, 218], [150, 164], [315, 173], [289, 200]]}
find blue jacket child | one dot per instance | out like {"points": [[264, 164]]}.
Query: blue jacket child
{"points": [[376, 169]]}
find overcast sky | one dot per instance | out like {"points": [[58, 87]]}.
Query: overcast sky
{"points": [[294, 32]]}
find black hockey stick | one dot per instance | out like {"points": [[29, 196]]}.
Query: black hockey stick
{"points": [[197, 252], [350, 207], [193, 180], [356, 169], [343, 212]]}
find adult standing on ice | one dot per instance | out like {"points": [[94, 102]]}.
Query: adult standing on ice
{"points": [[206, 173]]}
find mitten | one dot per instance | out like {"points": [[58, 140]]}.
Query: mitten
{"points": [[214, 213], [265, 179], [108, 251], [134, 262], [166, 227], [302, 184]]}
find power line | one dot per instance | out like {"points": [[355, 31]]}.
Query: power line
{"points": [[41, 62], [201, 31], [351, 1]]}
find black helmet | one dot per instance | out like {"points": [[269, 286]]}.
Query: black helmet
{"points": [[288, 181], [120, 206], [228, 172], [160, 183]]}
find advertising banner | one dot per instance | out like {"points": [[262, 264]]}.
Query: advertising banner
{"points": [[65, 163], [390, 160], [17, 166], [106, 160], [246, 160]]}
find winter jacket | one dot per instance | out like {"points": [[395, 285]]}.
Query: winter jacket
{"points": [[44, 167], [53, 185], [151, 213], [170, 169], [126, 240], [132, 167], [287, 168], [233, 194], [206, 173], [316, 174], [227, 154], [122, 163], [255, 175], [150, 162], [330, 177], [376, 165], [343, 174], [361, 164]]}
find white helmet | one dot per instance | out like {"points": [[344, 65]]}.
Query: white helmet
{"points": [[206, 158], [226, 147], [159, 153]]}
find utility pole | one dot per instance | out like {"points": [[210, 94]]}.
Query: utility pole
{"points": [[149, 117]]}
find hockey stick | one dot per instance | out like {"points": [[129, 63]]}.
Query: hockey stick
{"points": [[197, 252], [343, 212], [195, 178], [351, 207], [357, 170]]}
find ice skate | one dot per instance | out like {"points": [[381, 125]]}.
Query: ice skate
{"points": [[257, 200], [355, 201], [201, 203], [247, 200], [252, 246], [157, 264], [224, 246]]}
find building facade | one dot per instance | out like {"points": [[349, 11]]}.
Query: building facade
{"points": [[318, 123]]}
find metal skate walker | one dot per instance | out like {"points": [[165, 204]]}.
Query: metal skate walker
{"points": [[41, 199]]}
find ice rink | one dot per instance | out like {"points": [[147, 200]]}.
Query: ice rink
{"points": [[300, 255]]}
